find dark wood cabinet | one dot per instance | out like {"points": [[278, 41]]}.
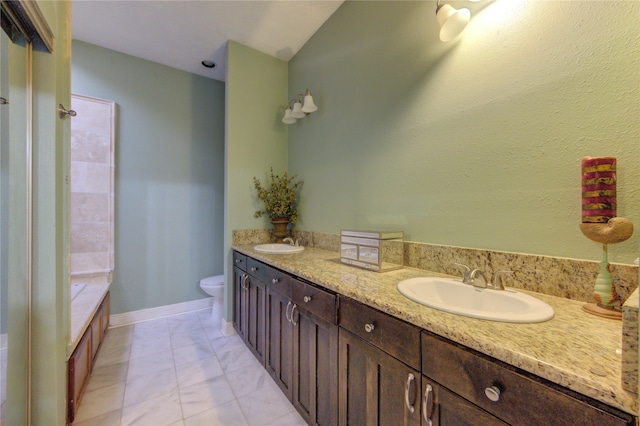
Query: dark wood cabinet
{"points": [[82, 359], [377, 387], [512, 395], [315, 354], [341, 362], [79, 368], [250, 304], [239, 293], [302, 347], [255, 331], [279, 359], [442, 407]]}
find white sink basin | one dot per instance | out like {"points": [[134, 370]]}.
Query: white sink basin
{"points": [[278, 248], [453, 296]]}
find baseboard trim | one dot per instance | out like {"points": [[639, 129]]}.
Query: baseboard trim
{"points": [[127, 318], [227, 328]]}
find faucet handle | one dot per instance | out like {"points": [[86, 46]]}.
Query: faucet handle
{"points": [[467, 272], [497, 278]]}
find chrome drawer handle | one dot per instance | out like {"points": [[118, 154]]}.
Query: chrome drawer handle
{"points": [[254, 268], [307, 299], [427, 409], [286, 314], [369, 327], [493, 393], [238, 260], [410, 379], [243, 281], [292, 320], [275, 281]]}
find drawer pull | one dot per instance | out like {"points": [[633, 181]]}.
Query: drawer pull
{"points": [[427, 409], [410, 379], [275, 281], [238, 260], [254, 268], [292, 320], [286, 314], [369, 327], [307, 299], [493, 393]]}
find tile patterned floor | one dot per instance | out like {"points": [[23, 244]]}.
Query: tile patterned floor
{"points": [[180, 370]]}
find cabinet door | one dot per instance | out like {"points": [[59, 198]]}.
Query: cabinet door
{"points": [[315, 353], [440, 407], [240, 301], [279, 356], [255, 331], [375, 388], [78, 374]]}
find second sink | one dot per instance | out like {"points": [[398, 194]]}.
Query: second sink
{"points": [[278, 248], [453, 296]]}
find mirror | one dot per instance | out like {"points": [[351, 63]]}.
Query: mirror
{"points": [[24, 30]]}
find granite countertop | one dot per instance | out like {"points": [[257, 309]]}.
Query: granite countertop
{"points": [[574, 349]]}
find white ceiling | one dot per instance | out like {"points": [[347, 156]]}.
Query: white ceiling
{"points": [[182, 33]]}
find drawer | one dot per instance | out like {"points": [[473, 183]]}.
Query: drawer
{"points": [[279, 282], [390, 334], [258, 269], [523, 399], [240, 261], [314, 300]]}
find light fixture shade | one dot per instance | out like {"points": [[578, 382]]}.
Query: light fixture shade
{"points": [[452, 21], [288, 118], [309, 106], [297, 110]]}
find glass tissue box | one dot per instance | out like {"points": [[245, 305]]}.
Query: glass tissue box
{"points": [[378, 251]]}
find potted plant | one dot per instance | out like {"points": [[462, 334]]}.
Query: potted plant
{"points": [[279, 198]]}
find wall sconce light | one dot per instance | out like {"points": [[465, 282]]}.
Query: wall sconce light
{"points": [[299, 110], [452, 21]]}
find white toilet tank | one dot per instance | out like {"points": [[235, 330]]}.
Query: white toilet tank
{"points": [[214, 286]]}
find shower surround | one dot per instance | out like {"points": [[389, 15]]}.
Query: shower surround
{"points": [[92, 190]]}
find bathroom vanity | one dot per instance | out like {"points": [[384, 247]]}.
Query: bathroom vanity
{"points": [[318, 326], [84, 355]]}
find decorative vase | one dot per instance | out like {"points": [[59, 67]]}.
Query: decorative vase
{"points": [[280, 227]]}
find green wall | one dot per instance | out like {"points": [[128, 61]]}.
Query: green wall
{"points": [[473, 143], [169, 193], [255, 138]]}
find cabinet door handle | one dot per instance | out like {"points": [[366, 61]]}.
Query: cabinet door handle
{"points": [[275, 281], [286, 314], [427, 409], [292, 320], [307, 299], [369, 327], [410, 379], [243, 281], [493, 393]]}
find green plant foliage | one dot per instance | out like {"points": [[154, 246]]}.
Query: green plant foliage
{"points": [[279, 197]]}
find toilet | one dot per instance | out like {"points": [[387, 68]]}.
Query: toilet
{"points": [[214, 286]]}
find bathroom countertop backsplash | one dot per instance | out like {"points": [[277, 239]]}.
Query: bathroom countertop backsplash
{"points": [[576, 350]]}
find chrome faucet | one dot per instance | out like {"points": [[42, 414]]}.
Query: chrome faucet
{"points": [[497, 279], [467, 271], [478, 275], [291, 241]]}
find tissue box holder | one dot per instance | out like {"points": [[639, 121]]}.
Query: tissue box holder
{"points": [[379, 251]]}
